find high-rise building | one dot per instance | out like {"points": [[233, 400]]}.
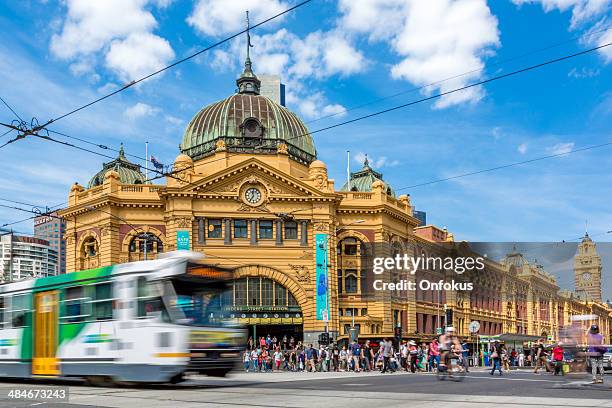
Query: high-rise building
{"points": [[587, 270], [271, 87], [51, 228], [24, 257], [421, 216]]}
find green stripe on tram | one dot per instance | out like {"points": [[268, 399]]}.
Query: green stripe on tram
{"points": [[66, 279]]}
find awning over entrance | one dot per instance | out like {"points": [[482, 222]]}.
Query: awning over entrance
{"points": [[509, 338]]}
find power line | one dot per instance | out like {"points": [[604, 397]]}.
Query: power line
{"points": [[505, 166], [411, 90], [6, 133], [11, 109], [21, 203], [134, 82], [100, 146]]}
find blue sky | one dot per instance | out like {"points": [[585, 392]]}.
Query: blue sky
{"points": [[335, 55]]}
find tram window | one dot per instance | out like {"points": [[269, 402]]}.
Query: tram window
{"points": [[149, 305], [18, 311], [73, 305], [1, 313], [102, 301]]}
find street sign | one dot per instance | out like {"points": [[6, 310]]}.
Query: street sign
{"points": [[325, 316], [474, 326], [438, 330]]}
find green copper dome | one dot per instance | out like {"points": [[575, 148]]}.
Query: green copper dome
{"points": [[363, 179], [129, 173], [247, 122]]}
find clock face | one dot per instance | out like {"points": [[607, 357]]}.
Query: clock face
{"points": [[252, 195], [586, 277]]}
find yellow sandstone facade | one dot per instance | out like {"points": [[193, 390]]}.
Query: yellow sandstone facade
{"points": [[248, 192]]}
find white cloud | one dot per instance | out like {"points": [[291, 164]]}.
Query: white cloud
{"points": [[434, 39], [561, 148], [582, 10], [315, 106], [217, 18], [334, 110], [583, 72], [497, 132], [113, 28], [375, 163], [522, 148], [138, 55], [140, 110]]}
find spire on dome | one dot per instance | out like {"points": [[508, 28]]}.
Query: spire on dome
{"points": [[122, 152], [248, 83]]}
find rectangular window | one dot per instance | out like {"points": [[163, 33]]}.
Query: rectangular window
{"points": [[266, 292], [280, 295], [265, 229], [291, 230], [241, 292], [240, 229], [19, 310], [74, 310], [350, 249], [254, 295], [339, 281], [148, 302], [102, 301], [215, 229]]}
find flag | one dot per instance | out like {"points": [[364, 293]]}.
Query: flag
{"points": [[156, 163]]}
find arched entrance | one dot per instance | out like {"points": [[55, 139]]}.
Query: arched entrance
{"points": [[262, 299]]}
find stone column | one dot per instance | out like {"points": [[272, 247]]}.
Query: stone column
{"points": [[304, 233], [227, 231], [201, 231], [279, 232], [253, 232]]}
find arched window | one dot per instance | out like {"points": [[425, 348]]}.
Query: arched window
{"points": [[261, 292], [145, 242], [350, 282], [90, 248]]}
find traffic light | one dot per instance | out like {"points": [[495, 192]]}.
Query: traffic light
{"points": [[449, 317], [324, 338]]}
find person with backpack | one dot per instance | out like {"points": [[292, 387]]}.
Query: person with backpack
{"points": [[413, 353]]}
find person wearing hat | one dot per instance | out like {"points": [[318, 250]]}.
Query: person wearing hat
{"points": [[595, 353]]}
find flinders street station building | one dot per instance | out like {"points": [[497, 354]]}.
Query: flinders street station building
{"points": [[248, 191]]}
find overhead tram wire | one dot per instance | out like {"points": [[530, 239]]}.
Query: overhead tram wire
{"points": [[411, 90], [100, 146], [159, 71], [11, 109], [441, 94], [505, 166]]}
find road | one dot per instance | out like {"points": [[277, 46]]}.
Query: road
{"points": [[354, 390]]}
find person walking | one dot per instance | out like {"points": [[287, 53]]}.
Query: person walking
{"points": [[355, 353], [367, 356], [387, 352], [310, 358], [465, 356], [344, 359], [434, 354], [521, 359], [558, 359], [246, 358], [413, 352], [595, 352], [496, 357], [505, 358], [278, 358], [541, 357]]}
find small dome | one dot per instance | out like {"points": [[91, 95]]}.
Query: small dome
{"points": [[183, 159], [129, 173], [365, 179], [318, 164]]}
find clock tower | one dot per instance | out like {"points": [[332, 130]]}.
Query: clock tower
{"points": [[587, 270]]}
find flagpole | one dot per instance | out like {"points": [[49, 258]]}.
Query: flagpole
{"points": [[348, 169], [147, 160]]}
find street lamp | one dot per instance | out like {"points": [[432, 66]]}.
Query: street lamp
{"points": [[145, 235]]}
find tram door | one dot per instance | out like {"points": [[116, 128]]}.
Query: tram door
{"points": [[44, 361]]}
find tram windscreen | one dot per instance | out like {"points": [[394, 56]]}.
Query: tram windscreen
{"points": [[195, 304]]}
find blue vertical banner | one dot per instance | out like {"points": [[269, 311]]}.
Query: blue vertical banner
{"points": [[321, 256], [182, 240]]}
